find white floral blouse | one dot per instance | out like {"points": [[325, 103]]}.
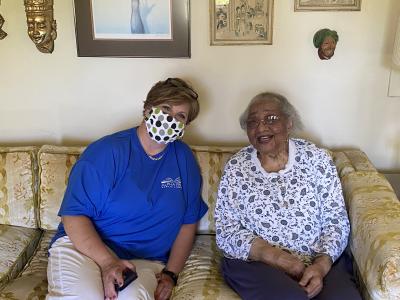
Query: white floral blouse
{"points": [[299, 209]]}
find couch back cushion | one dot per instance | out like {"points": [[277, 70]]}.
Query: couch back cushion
{"points": [[55, 164], [349, 161], [17, 186], [212, 161]]}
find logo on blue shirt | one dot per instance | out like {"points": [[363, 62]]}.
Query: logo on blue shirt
{"points": [[171, 183]]}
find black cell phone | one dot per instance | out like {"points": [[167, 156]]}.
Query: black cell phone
{"points": [[128, 275]]}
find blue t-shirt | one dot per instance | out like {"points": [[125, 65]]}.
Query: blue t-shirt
{"points": [[136, 204]]}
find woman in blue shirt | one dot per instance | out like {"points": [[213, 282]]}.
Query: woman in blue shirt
{"points": [[133, 201]]}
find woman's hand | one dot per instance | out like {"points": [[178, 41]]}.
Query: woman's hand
{"points": [[111, 273], [289, 263], [262, 251], [179, 253], [164, 287], [312, 280], [86, 239]]}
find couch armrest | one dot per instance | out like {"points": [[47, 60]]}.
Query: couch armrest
{"points": [[374, 213]]}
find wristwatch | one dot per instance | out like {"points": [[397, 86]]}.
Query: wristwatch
{"points": [[171, 274]]}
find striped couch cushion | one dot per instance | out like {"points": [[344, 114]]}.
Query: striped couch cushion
{"points": [[17, 186], [17, 244], [55, 163], [201, 278]]}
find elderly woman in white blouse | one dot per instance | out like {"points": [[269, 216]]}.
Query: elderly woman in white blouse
{"points": [[280, 216]]}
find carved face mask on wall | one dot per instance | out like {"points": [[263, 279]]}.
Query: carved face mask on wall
{"points": [[42, 31], [325, 40], [3, 34], [41, 25]]}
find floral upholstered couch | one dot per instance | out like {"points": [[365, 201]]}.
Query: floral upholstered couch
{"points": [[33, 180]]}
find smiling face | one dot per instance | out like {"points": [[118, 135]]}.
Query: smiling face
{"points": [[41, 30], [267, 127], [328, 47], [38, 28]]}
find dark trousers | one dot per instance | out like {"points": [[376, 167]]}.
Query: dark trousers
{"points": [[258, 281]]}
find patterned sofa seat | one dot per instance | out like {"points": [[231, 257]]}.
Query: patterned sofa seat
{"points": [[373, 208], [18, 228]]}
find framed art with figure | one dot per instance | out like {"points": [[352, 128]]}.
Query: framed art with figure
{"points": [[132, 28], [318, 5], [238, 22]]}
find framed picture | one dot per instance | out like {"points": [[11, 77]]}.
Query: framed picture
{"points": [[241, 22], [132, 28], [318, 5]]}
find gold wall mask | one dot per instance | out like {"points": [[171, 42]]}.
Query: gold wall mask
{"points": [[41, 24], [3, 34]]}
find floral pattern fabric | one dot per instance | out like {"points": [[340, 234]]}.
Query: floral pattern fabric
{"points": [[299, 209], [17, 244], [373, 208], [31, 284], [17, 186], [201, 278]]}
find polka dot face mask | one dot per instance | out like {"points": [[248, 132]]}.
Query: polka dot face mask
{"points": [[163, 128]]}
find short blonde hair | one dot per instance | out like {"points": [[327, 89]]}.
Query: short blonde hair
{"points": [[173, 91]]}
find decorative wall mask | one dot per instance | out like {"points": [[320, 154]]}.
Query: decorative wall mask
{"points": [[3, 34], [41, 24], [325, 40]]}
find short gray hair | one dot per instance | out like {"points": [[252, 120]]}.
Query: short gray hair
{"points": [[284, 105]]}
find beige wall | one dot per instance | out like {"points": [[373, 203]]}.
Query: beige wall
{"points": [[63, 99]]}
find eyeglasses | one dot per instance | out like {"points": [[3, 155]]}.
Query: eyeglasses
{"points": [[179, 84], [268, 120], [180, 116]]}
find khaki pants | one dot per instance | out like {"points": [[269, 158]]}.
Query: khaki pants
{"points": [[72, 275]]}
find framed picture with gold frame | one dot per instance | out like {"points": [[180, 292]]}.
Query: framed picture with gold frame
{"points": [[132, 28], [321, 5], [241, 22]]}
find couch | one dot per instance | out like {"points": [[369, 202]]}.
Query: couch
{"points": [[33, 180]]}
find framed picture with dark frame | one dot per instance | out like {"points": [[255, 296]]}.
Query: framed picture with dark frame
{"points": [[241, 22], [320, 5], [133, 28]]}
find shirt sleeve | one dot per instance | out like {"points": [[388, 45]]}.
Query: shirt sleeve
{"points": [[335, 223], [86, 192], [231, 237], [196, 207]]}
